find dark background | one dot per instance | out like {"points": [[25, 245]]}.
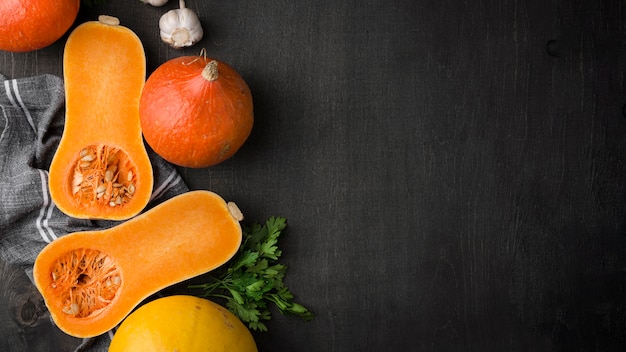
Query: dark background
{"points": [[452, 172]]}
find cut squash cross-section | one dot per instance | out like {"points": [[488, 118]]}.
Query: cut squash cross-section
{"points": [[101, 168], [92, 280]]}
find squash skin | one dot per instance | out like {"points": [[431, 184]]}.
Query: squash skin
{"points": [[183, 237], [29, 25], [104, 72], [190, 121], [182, 323]]}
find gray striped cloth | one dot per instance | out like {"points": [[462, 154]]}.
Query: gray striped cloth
{"points": [[31, 123]]}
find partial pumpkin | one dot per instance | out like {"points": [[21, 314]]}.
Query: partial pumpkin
{"points": [[196, 111], [29, 25], [92, 280], [182, 323]]}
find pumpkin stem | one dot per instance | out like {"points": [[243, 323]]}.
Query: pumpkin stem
{"points": [[234, 210], [210, 71], [110, 20]]}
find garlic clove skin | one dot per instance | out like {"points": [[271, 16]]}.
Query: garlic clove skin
{"points": [[155, 3], [180, 27]]}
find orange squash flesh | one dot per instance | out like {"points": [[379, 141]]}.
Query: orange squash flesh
{"points": [[92, 280], [104, 69]]}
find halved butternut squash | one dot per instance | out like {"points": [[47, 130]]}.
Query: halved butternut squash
{"points": [[101, 169], [92, 280]]}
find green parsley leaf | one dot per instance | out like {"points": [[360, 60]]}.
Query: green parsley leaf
{"points": [[252, 279], [247, 259]]}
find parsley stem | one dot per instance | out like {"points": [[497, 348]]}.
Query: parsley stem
{"points": [[253, 278], [217, 295]]}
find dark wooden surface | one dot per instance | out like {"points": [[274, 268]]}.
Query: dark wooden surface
{"points": [[453, 172]]}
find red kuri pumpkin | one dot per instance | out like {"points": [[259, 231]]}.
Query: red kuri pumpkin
{"points": [[28, 25], [195, 111]]}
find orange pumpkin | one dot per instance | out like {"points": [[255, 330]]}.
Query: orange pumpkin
{"points": [[92, 280], [196, 111], [27, 25]]}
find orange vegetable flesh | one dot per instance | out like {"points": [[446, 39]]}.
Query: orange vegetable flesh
{"points": [[104, 73], [91, 280]]}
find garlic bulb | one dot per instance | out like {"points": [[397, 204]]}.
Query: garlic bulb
{"points": [[156, 3], [180, 27]]}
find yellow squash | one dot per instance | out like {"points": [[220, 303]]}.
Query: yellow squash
{"points": [[182, 323]]}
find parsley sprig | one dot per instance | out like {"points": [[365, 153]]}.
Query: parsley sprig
{"points": [[253, 278]]}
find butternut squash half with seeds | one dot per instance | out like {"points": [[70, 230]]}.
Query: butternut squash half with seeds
{"points": [[92, 280], [101, 169]]}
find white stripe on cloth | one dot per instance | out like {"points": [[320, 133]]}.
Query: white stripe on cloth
{"points": [[45, 213], [7, 89], [172, 180], [47, 200], [19, 103], [6, 125]]}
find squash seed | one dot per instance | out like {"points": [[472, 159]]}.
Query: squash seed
{"points": [[108, 176], [72, 309], [77, 179]]}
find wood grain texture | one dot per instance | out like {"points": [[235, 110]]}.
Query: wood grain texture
{"points": [[25, 322], [452, 171]]}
